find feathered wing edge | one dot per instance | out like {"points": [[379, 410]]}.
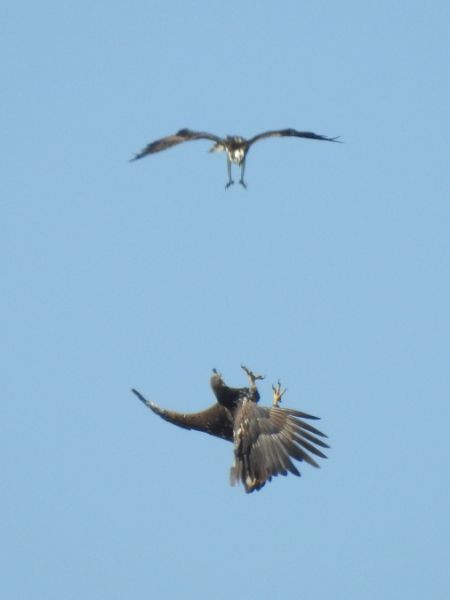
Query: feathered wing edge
{"points": [[215, 420], [266, 440], [292, 133], [184, 135]]}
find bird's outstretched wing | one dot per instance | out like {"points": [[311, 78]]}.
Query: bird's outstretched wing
{"points": [[215, 420], [267, 439], [291, 133], [184, 135]]}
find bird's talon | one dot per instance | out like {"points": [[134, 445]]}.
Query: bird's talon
{"points": [[278, 393], [251, 376]]}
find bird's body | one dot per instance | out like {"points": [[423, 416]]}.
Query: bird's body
{"points": [[265, 439], [235, 146]]}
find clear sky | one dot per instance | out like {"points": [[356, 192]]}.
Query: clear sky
{"points": [[330, 272]]}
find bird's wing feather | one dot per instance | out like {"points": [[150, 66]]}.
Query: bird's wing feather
{"points": [[184, 135], [266, 440], [215, 420], [291, 133]]}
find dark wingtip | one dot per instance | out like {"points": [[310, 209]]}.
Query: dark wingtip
{"points": [[140, 396]]}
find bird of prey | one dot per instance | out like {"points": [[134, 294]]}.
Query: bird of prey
{"points": [[265, 439], [235, 146]]}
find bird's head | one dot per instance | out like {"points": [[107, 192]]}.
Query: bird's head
{"points": [[218, 147]]}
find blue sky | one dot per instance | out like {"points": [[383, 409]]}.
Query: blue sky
{"points": [[330, 272]]}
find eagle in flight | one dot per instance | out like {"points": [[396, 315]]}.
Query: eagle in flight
{"points": [[265, 439], [235, 146]]}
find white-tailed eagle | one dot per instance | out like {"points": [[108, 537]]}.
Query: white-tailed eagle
{"points": [[266, 440]]}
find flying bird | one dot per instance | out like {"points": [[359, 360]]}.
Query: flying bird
{"points": [[235, 146], [265, 439]]}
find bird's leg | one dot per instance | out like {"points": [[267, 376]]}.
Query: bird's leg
{"points": [[241, 180], [230, 181], [278, 393], [251, 376]]}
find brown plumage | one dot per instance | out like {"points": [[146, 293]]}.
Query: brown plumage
{"points": [[235, 146], [266, 440]]}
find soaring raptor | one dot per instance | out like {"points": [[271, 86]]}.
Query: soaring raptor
{"points": [[235, 146], [265, 439]]}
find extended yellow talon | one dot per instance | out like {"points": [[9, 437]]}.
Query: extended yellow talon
{"points": [[278, 393]]}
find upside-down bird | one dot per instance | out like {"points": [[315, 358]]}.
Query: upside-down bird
{"points": [[235, 146], [265, 439]]}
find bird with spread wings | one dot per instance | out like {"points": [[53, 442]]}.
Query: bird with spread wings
{"points": [[266, 440], [235, 146]]}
